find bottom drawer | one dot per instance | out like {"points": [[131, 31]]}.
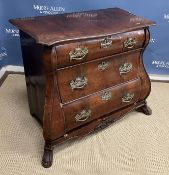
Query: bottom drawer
{"points": [[101, 103]]}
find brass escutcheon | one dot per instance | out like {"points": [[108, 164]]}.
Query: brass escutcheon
{"points": [[106, 42], [103, 65], [129, 43], [106, 95]]}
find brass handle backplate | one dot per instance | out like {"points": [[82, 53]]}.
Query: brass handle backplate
{"points": [[78, 83], [106, 95], [78, 53], [127, 98], [125, 68], [129, 43], [83, 115], [106, 42], [103, 65]]}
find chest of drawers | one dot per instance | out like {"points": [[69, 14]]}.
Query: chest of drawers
{"points": [[83, 71]]}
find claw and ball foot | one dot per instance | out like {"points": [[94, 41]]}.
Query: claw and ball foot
{"points": [[47, 158]]}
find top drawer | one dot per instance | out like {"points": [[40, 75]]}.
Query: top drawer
{"points": [[89, 49]]}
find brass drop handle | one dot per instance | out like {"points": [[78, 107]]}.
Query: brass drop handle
{"points": [[106, 42], [103, 65], [106, 95], [129, 43], [125, 68], [83, 115], [128, 97], [78, 53], [78, 83]]}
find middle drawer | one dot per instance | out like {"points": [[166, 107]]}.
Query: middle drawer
{"points": [[81, 80]]}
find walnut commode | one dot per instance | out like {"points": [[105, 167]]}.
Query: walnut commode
{"points": [[83, 71]]}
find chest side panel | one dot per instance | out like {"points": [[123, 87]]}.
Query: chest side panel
{"points": [[34, 74]]}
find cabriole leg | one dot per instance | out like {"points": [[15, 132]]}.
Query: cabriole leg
{"points": [[145, 109]]}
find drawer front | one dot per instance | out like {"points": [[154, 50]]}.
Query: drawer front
{"points": [[78, 52], [104, 102], [82, 80]]}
